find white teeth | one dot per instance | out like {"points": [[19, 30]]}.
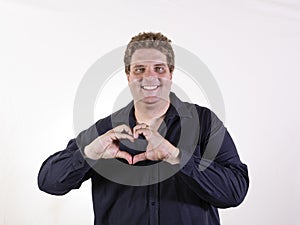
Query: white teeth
{"points": [[149, 87]]}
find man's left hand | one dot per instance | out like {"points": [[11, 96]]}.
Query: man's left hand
{"points": [[158, 148]]}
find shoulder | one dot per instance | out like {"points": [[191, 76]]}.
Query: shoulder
{"points": [[202, 112], [189, 109], [208, 120]]}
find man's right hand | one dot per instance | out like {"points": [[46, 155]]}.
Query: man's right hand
{"points": [[106, 146]]}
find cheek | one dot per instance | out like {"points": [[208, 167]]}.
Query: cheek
{"points": [[132, 78], [134, 84], [166, 81]]}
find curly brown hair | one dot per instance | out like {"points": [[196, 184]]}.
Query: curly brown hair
{"points": [[149, 40]]}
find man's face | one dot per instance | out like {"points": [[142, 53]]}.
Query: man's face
{"points": [[149, 78]]}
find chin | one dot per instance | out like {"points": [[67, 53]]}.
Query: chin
{"points": [[151, 99]]}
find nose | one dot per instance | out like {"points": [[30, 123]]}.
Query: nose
{"points": [[149, 74]]}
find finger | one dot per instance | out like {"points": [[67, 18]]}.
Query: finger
{"points": [[116, 136], [124, 155], [139, 126], [139, 157], [146, 132], [123, 128]]}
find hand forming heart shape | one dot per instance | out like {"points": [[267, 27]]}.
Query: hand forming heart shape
{"points": [[107, 145]]}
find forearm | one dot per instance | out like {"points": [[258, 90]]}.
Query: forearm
{"points": [[213, 169], [63, 171], [219, 185]]}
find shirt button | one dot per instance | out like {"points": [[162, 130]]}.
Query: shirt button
{"points": [[152, 203], [81, 162]]}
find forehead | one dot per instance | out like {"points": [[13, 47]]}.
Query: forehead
{"points": [[148, 55]]}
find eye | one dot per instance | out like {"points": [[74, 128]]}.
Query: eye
{"points": [[160, 69], [138, 70]]}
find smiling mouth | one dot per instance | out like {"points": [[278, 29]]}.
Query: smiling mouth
{"points": [[150, 87]]}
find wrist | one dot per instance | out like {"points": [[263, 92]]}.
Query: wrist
{"points": [[89, 153], [173, 157]]}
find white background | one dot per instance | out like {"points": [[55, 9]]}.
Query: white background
{"points": [[251, 47]]}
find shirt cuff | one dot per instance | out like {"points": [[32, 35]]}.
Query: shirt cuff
{"points": [[80, 162]]}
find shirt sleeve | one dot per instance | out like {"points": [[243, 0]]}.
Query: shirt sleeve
{"points": [[64, 171], [215, 172], [68, 169]]}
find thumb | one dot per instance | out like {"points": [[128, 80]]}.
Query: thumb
{"points": [[124, 155]]}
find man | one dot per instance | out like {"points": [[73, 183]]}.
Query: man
{"points": [[156, 161]]}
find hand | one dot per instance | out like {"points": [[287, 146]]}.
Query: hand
{"points": [[158, 148], [106, 146]]}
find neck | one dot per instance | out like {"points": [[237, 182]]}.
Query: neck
{"points": [[150, 114]]}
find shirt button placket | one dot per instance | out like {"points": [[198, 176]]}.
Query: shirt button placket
{"points": [[153, 200]]}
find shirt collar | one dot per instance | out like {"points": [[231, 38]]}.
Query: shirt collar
{"points": [[177, 108]]}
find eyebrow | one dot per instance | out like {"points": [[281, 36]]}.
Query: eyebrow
{"points": [[141, 65], [160, 64], [138, 65]]}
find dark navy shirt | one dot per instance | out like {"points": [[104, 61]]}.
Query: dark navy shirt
{"points": [[210, 174]]}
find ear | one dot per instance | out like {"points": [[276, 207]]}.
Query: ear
{"points": [[171, 76], [127, 75]]}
